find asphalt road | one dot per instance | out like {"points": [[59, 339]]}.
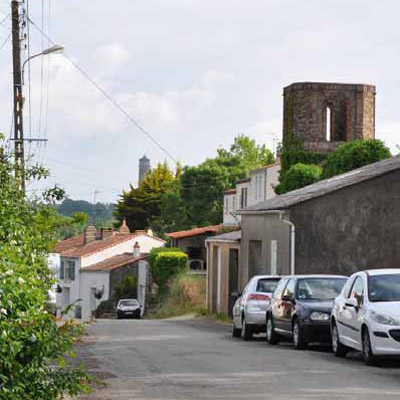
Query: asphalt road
{"points": [[200, 360]]}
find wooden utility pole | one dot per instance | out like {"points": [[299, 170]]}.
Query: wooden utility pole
{"points": [[18, 97]]}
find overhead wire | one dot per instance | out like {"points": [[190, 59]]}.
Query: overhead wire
{"points": [[5, 41], [108, 97]]}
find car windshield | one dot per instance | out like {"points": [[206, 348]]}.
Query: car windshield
{"points": [[129, 303], [267, 285], [320, 288], [384, 287]]}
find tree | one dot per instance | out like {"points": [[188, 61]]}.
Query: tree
{"points": [[298, 176], [354, 155], [34, 348], [126, 289]]}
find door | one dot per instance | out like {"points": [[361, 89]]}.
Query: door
{"points": [[288, 306], [276, 304], [233, 277]]}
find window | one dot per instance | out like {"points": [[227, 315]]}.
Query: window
{"points": [[274, 257], [328, 124], [267, 285], [243, 198], [289, 291], [279, 289], [67, 270], [384, 287], [357, 291], [320, 288]]}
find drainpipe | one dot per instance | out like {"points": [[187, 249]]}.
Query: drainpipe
{"points": [[207, 269], [292, 242]]}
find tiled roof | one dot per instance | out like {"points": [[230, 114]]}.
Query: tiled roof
{"points": [[230, 191], [195, 232], [234, 236], [327, 186], [75, 247], [115, 262]]}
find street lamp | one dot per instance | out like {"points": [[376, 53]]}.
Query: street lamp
{"points": [[57, 48]]}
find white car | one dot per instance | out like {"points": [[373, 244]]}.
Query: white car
{"points": [[250, 307], [366, 315], [128, 308]]}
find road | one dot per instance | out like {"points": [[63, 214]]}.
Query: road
{"points": [[199, 359]]}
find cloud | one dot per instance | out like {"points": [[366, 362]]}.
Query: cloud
{"points": [[111, 58]]}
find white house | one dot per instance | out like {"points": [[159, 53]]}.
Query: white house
{"points": [[92, 263]]}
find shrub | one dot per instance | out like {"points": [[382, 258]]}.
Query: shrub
{"points": [[298, 176], [354, 155], [164, 265], [155, 251], [105, 307]]}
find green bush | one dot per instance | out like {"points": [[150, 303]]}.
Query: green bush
{"points": [[354, 155], [164, 265], [157, 250], [298, 176], [290, 158]]}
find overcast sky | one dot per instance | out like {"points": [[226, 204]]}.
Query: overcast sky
{"points": [[194, 73]]}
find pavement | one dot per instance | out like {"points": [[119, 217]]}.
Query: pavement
{"points": [[198, 359]]}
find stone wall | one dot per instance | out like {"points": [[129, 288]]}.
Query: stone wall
{"points": [[352, 109]]}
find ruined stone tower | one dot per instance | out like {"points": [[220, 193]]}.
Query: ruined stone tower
{"points": [[324, 115], [144, 166]]}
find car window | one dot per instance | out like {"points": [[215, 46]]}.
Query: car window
{"points": [[357, 291], [128, 303], [289, 290], [384, 287], [280, 288], [321, 288], [267, 285], [347, 287]]}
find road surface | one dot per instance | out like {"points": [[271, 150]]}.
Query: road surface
{"points": [[199, 359]]}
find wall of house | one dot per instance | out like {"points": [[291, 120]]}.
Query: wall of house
{"points": [[258, 233], [229, 209], [218, 274], [353, 229], [272, 180], [146, 244], [89, 280]]}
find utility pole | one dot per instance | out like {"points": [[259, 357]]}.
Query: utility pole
{"points": [[18, 98]]}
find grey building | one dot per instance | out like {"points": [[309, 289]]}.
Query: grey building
{"points": [[144, 166], [340, 225]]}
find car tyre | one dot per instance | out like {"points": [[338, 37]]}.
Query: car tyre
{"points": [[299, 342], [339, 350], [368, 355], [247, 332], [272, 337], [236, 333]]}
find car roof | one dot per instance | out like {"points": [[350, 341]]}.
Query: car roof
{"points": [[315, 276], [266, 276], [383, 271]]}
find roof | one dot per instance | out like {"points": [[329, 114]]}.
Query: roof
{"points": [[327, 186], [383, 271], [264, 167], [115, 262], [195, 232], [75, 247], [234, 236], [245, 180], [230, 191]]}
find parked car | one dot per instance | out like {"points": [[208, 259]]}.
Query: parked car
{"points": [[366, 315], [128, 308], [250, 307], [300, 309]]}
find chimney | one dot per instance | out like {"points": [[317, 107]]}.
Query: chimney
{"points": [[106, 233], [89, 234], [124, 229], [136, 250]]}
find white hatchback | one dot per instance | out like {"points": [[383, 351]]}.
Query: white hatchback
{"points": [[366, 315]]}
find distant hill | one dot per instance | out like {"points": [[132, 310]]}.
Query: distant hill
{"points": [[99, 213]]}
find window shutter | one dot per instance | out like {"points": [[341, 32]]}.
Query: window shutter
{"points": [[62, 270]]}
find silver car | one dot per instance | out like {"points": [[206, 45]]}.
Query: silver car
{"points": [[251, 306]]}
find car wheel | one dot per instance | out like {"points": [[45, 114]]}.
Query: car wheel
{"points": [[235, 331], [272, 337], [339, 350], [368, 355], [298, 336], [247, 333]]}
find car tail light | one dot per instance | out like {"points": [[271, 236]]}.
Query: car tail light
{"points": [[259, 297]]}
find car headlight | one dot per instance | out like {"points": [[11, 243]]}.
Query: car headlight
{"points": [[319, 316], [384, 319]]}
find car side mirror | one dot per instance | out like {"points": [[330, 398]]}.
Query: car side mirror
{"points": [[352, 302]]}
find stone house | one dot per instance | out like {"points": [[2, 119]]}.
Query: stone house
{"points": [[92, 264], [336, 226]]}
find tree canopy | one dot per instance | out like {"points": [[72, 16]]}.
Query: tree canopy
{"points": [[298, 176]]}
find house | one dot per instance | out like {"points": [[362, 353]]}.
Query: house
{"points": [[222, 275], [336, 226], [92, 264], [192, 242], [259, 187]]}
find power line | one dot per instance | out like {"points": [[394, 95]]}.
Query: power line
{"points": [[108, 97], [5, 41]]}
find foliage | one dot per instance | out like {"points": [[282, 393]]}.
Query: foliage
{"points": [[298, 176], [354, 155], [165, 264], [293, 157], [34, 348], [105, 307], [127, 289], [140, 205]]}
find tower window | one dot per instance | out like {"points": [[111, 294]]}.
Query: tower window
{"points": [[328, 124]]}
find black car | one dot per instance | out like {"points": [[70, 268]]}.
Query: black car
{"points": [[300, 309]]}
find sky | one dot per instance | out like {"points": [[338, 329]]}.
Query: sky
{"points": [[193, 73]]}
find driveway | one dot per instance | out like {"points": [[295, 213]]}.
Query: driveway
{"points": [[199, 359]]}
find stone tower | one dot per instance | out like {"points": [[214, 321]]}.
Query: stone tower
{"points": [[144, 166], [324, 115]]}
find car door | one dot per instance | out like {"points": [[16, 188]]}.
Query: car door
{"points": [[288, 305], [349, 316], [239, 306], [276, 303]]}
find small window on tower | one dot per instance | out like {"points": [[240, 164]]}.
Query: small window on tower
{"points": [[328, 124]]}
